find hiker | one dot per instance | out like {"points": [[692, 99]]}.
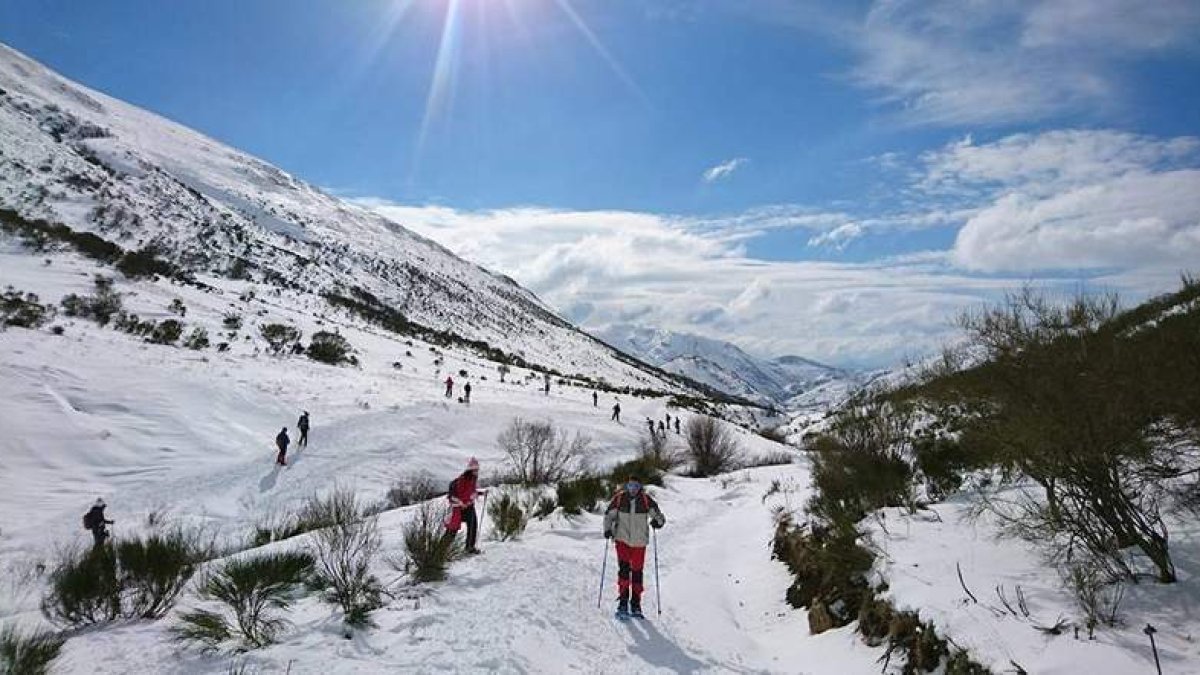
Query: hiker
{"points": [[677, 424], [302, 425], [95, 521], [616, 416], [650, 424], [449, 387], [668, 420], [662, 429], [467, 393], [281, 442], [595, 399], [629, 517], [462, 495], [547, 384]]}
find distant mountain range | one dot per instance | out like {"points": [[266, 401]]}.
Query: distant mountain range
{"points": [[791, 382]]}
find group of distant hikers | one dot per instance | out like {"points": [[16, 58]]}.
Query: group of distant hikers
{"points": [[282, 441], [630, 514]]}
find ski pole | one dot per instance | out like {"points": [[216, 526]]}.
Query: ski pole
{"points": [[603, 568], [657, 586], [482, 517]]}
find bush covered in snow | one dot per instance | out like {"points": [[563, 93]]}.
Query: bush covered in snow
{"points": [[418, 487], [250, 591], [23, 309], [167, 332], [539, 454], [132, 578], [279, 336], [330, 348], [711, 446], [100, 307], [428, 550], [344, 553], [509, 515], [28, 653]]}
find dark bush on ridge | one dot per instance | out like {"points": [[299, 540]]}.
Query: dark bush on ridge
{"points": [[428, 551], [711, 446]]}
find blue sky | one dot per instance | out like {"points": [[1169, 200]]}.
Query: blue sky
{"points": [[776, 172]]}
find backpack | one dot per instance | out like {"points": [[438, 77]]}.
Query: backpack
{"points": [[89, 520]]}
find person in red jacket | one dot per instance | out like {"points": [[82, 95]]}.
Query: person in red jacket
{"points": [[628, 519], [461, 494]]}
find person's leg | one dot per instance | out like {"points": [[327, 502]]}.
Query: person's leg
{"points": [[98, 536], [472, 526], [637, 560], [623, 569]]}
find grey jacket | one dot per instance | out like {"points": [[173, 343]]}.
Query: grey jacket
{"points": [[629, 518]]}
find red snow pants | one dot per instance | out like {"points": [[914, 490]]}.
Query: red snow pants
{"points": [[630, 560]]}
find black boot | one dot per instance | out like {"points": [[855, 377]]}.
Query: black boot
{"points": [[635, 605], [623, 603]]}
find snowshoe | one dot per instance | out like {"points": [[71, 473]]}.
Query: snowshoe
{"points": [[635, 609], [623, 615]]}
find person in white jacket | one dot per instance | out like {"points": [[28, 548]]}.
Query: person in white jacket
{"points": [[628, 520]]}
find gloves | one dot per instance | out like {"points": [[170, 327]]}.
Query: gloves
{"points": [[608, 534], [656, 524]]}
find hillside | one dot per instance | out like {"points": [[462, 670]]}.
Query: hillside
{"points": [[135, 182], [785, 381]]}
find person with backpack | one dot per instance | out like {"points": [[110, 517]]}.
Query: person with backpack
{"points": [[677, 424], [95, 521], [461, 494], [595, 399], [616, 416], [302, 425], [467, 393], [449, 386], [281, 442], [628, 520]]}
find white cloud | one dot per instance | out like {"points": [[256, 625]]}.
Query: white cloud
{"points": [[723, 170], [954, 62], [838, 237], [1056, 201]]}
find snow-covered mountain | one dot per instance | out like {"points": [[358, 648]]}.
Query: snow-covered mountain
{"points": [[788, 381], [73, 157]]}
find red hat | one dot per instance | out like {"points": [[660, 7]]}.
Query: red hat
{"points": [[473, 464]]}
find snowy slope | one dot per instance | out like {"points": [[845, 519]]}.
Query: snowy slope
{"points": [[74, 156], [725, 366]]}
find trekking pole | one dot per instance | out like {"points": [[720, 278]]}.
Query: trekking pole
{"points": [[482, 517], [657, 585], [603, 568]]}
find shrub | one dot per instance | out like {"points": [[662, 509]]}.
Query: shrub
{"points": [[330, 348], [344, 553], [539, 454], [413, 489], [428, 548], [232, 321], [829, 568], [251, 589], [100, 307], [28, 653], [544, 507], [198, 339], [84, 588], [579, 495], [335, 508], [777, 434], [509, 518], [177, 307], [1098, 595], [279, 336], [942, 462], [23, 309], [167, 332], [155, 570], [776, 458], [144, 263], [711, 447], [132, 578]]}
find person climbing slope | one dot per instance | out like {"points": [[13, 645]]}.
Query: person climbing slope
{"points": [[616, 415], [282, 441], [461, 494], [302, 425], [95, 521], [449, 387], [628, 520], [467, 393]]}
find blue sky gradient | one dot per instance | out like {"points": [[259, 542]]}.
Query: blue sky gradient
{"points": [[909, 152]]}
